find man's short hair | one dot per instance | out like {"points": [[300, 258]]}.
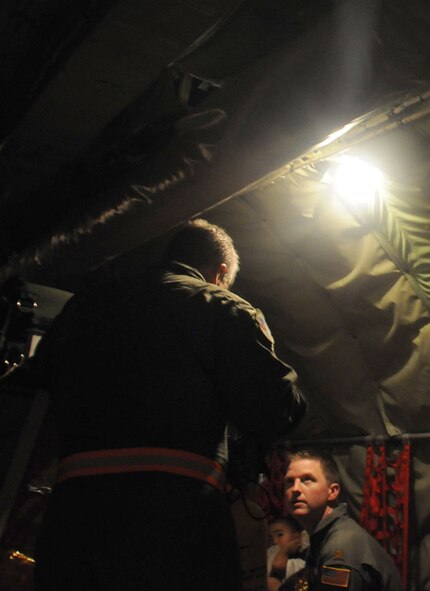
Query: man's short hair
{"points": [[328, 465], [200, 244]]}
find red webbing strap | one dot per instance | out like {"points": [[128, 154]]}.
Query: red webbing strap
{"points": [[401, 491], [365, 507], [405, 477], [374, 507], [142, 459], [385, 508], [383, 533], [270, 493]]}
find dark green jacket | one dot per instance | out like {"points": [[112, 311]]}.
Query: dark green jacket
{"points": [[164, 360]]}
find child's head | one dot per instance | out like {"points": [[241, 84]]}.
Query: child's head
{"points": [[285, 532]]}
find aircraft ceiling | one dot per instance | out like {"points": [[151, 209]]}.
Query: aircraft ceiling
{"points": [[123, 119]]}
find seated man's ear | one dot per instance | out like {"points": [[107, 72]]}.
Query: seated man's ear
{"points": [[334, 490]]}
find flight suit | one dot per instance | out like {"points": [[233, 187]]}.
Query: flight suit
{"points": [[158, 362], [342, 555]]}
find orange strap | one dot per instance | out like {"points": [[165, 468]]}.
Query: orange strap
{"points": [[142, 459]]}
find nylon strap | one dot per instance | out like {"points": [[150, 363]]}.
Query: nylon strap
{"points": [[385, 508], [142, 459]]}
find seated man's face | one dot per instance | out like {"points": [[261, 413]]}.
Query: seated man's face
{"points": [[307, 490], [285, 537]]}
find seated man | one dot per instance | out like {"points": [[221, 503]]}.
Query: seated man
{"points": [[285, 556], [341, 553]]}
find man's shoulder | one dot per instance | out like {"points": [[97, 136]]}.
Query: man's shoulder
{"points": [[347, 532], [349, 544], [196, 285], [198, 296]]}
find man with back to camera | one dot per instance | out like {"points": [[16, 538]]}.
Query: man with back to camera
{"points": [[342, 555], [144, 376]]}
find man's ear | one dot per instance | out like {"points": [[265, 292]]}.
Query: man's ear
{"points": [[214, 273], [334, 490], [221, 271]]}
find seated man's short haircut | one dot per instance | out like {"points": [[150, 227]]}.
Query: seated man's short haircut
{"points": [[327, 462], [200, 244]]}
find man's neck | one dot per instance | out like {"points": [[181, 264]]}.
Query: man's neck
{"points": [[313, 521]]}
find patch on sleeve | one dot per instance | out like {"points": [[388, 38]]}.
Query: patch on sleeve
{"points": [[261, 321], [336, 577]]}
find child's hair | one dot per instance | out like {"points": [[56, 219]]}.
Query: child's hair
{"points": [[288, 521]]}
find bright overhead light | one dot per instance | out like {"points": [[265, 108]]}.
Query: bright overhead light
{"points": [[356, 181]]}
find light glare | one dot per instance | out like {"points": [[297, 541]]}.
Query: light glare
{"points": [[356, 181]]}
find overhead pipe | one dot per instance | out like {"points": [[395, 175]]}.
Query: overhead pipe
{"points": [[368, 439]]}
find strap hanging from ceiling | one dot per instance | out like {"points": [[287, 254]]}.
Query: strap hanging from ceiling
{"points": [[385, 506]]}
